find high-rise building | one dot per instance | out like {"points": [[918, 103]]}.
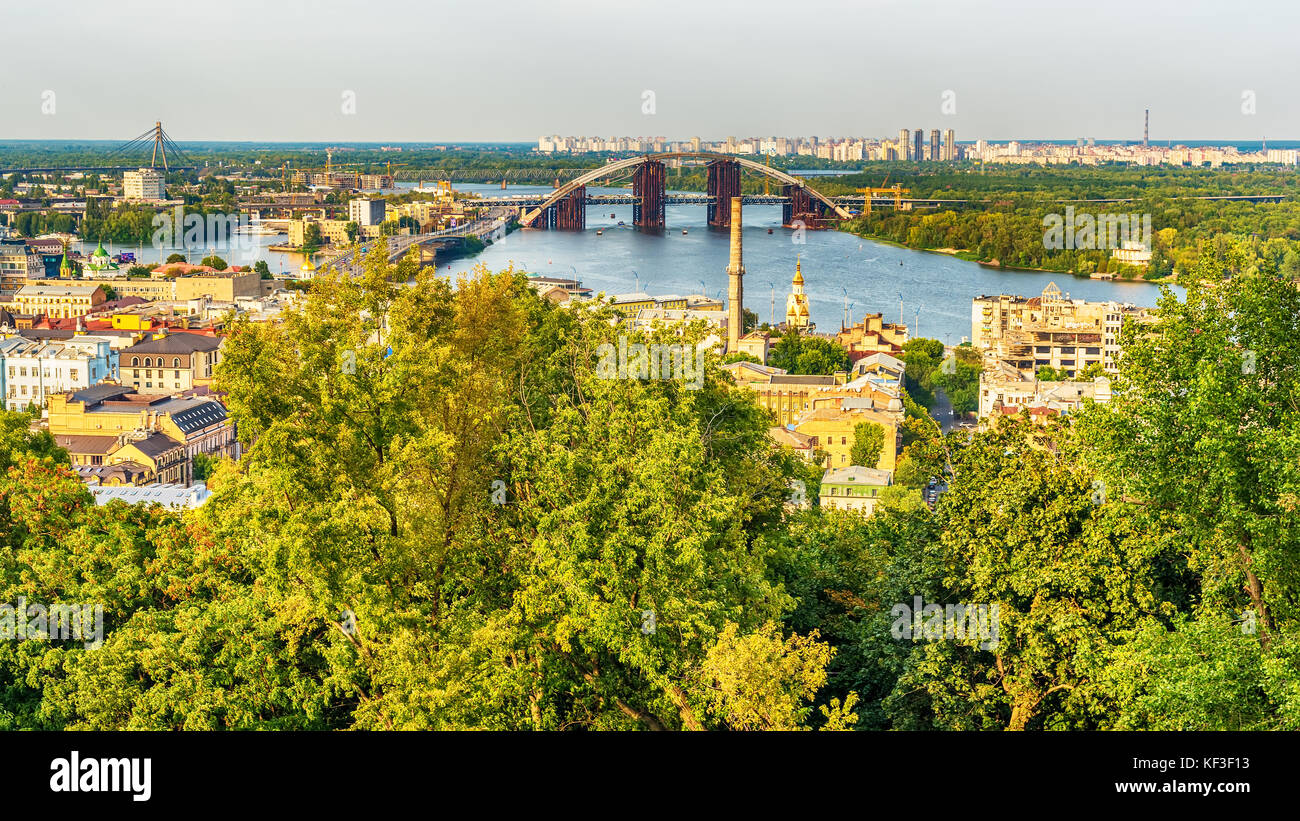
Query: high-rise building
{"points": [[904, 144], [918, 145], [366, 211], [949, 146], [934, 145], [735, 283], [145, 184]]}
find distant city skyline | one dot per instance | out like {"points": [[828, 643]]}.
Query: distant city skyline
{"points": [[997, 70]]}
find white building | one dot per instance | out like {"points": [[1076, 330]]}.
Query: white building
{"points": [[33, 369], [854, 488], [366, 211], [145, 184]]}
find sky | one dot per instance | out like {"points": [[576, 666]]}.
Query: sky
{"points": [[510, 70]]}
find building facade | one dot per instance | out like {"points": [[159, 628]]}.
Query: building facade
{"points": [[145, 184], [172, 363], [31, 370]]}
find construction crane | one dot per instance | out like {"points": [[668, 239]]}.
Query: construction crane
{"points": [[897, 191]]}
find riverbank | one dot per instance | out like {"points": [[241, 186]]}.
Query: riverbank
{"points": [[971, 256]]}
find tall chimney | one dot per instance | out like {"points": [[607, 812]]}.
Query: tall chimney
{"points": [[1146, 128], [735, 283]]}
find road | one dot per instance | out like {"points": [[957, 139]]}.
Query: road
{"points": [[942, 412]]}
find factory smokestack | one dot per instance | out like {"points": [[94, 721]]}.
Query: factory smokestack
{"points": [[735, 283], [1146, 128]]}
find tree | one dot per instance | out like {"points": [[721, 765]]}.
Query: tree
{"points": [[175, 258], [215, 262], [262, 269], [799, 354], [312, 238], [868, 441], [1205, 427], [353, 231], [203, 466]]}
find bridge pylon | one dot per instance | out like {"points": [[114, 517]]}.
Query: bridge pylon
{"points": [[801, 210], [648, 188], [724, 183], [571, 212]]}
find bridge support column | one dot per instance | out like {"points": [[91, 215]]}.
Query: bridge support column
{"points": [[648, 188], [571, 212], [724, 183], [801, 208]]}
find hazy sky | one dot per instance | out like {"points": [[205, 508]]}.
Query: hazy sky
{"points": [[431, 70]]}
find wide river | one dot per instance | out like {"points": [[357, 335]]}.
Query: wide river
{"points": [[934, 291]]}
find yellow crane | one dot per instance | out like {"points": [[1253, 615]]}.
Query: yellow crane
{"points": [[897, 190]]}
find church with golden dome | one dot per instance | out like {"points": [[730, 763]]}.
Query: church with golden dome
{"points": [[796, 304]]}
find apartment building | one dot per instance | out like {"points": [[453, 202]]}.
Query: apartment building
{"points": [[170, 363], [198, 424], [18, 263], [1005, 391], [57, 300], [31, 370], [876, 383], [145, 184], [364, 211], [1050, 330], [872, 335], [853, 488], [179, 282]]}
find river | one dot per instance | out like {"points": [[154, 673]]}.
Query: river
{"points": [[929, 292], [936, 289]]}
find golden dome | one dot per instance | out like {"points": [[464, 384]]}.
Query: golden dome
{"points": [[798, 272]]}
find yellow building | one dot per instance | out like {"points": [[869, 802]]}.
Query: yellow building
{"points": [[796, 304], [873, 335], [831, 430], [873, 385], [57, 301], [334, 232], [198, 424], [179, 283]]}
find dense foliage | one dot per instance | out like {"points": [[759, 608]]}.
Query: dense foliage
{"points": [[446, 520]]}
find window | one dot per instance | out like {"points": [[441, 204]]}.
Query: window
{"points": [[176, 362], [844, 440], [178, 376], [135, 360], [148, 362], [72, 374]]}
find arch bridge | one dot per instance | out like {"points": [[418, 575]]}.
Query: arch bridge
{"points": [[566, 207]]}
